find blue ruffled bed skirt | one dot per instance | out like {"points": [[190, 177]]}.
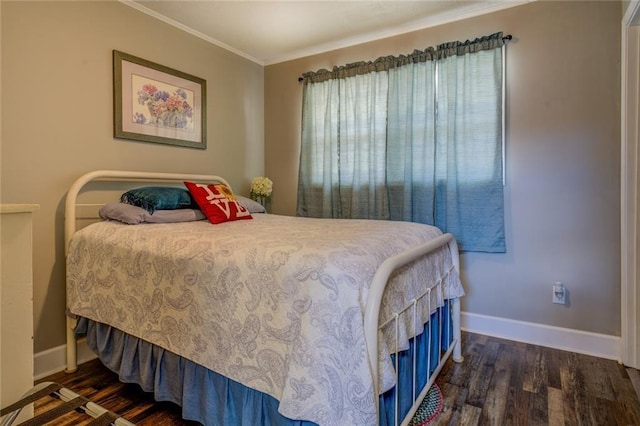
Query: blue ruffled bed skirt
{"points": [[212, 399]]}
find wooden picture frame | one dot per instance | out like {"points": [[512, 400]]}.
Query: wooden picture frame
{"points": [[154, 103]]}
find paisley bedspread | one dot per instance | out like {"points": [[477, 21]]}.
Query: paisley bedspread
{"points": [[276, 303]]}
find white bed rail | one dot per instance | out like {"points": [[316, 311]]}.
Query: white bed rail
{"points": [[374, 302], [70, 220]]}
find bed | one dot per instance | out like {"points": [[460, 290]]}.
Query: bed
{"points": [[276, 320]]}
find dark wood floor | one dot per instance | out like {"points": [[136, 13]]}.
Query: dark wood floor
{"points": [[500, 382], [503, 382]]}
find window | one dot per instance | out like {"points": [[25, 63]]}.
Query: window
{"points": [[415, 138]]}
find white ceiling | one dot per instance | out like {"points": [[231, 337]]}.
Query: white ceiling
{"points": [[272, 31]]}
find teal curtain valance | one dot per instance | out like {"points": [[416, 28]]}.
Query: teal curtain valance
{"points": [[460, 48], [386, 63]]}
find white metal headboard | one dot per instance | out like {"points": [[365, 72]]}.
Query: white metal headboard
{"points": [[71, 202]]}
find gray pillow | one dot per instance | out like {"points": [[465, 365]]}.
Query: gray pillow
{"points": [[134, 215], [249, 204]]}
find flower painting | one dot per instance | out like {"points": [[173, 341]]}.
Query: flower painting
{"points": [[159, 105], [154, 103]]}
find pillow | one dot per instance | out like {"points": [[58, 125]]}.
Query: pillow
{"points": [[249, 204], [134, 215], [217, 202], [152, 198]]}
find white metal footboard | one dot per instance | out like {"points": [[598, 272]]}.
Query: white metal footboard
{"points": [[372, 313]]}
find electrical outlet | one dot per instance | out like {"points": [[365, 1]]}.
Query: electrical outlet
{"points": [[559, 293]]}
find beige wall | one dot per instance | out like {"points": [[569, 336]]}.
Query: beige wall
{"points": [[562, 193], [57, 118], [563, 158]]}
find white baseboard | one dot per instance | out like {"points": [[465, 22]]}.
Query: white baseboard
{"points": [[583, 342], [53, 360]]}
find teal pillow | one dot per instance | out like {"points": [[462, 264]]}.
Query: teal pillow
{"points": [[152, 198]]}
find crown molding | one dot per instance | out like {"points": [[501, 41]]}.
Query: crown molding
{"points": [[189, 30], [476, 9], [470, 11]]}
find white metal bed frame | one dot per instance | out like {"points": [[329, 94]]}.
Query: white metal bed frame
{"points": [[374, 300]]}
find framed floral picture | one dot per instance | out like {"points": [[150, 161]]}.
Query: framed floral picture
{"points": [[154, 103]]}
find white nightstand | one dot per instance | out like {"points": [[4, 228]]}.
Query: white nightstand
{"points": [[16, 302]]}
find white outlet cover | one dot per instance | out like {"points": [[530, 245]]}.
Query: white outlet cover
{"points": [[559, 294]]}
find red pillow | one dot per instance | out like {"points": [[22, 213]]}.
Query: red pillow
{"points": [[217, 202]]}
